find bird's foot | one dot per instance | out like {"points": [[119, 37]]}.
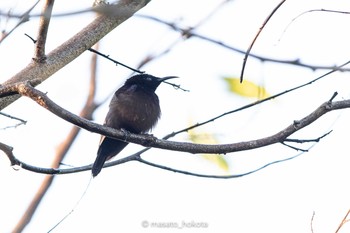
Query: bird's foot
{"points": [[126, 134], [149, 139]]}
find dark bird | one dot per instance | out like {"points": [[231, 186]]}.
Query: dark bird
{"points": [[134, 108]]}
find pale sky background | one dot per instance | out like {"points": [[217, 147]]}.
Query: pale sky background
{"points": [[280, 198]]}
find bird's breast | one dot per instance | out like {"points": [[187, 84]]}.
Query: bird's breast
{"points": [[134, 110]]}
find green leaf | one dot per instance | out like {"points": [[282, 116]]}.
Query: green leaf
{"points": [[246, 88]]}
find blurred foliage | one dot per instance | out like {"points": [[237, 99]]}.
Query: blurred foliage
{"points": [[246, 88], [208, 138]]}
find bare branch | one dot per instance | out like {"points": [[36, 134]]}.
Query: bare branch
{"points": [[256, 37], [345, 220], [213, 176], [307, 140], [312, 221], [39, 52], [115, 62], [21, 121]]}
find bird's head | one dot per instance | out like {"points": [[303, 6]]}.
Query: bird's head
{"points": [[148, 81]]}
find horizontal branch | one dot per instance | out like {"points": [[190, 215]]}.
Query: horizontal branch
{"points": [[150, 141]]}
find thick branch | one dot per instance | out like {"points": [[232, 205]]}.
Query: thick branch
{"points": [[75, 46], [150, 141]]}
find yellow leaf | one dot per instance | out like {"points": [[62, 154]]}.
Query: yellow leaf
{"points": [[207, 138], [246, 88]]}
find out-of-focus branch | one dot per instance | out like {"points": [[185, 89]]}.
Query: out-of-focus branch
{"points": [[22, 19], [61, 151], [344, 220], [71, 49], [20, 121], [190, 32], [39, 52]]}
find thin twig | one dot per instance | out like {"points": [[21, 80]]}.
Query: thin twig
{"points": [[31, 38], [14, 118], [312, 221], [308, 140], [256, 37], [214, 176], [310, 11], [114, 61], [293, 147], [132, 69], [343, 221]]}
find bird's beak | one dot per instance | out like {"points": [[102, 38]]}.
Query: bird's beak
{"points": [[166, 78]]}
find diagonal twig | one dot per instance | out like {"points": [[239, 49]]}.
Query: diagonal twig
{"points": [[256, 37]]}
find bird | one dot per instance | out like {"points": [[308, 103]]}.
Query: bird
{"points": [[134, 108]]}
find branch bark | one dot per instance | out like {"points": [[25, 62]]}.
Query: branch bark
{"points": [[39, 52], [71, 49]]}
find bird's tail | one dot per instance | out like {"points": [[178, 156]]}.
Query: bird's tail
{"points": [[109, 148]]}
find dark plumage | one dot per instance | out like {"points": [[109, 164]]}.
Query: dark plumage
{"points": [[134, 108]]}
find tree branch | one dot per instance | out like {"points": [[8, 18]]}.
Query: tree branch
{"points": [[39, 52], [75, 46], [211, 176], [345, 220], [256, 37], [151, 141]]}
